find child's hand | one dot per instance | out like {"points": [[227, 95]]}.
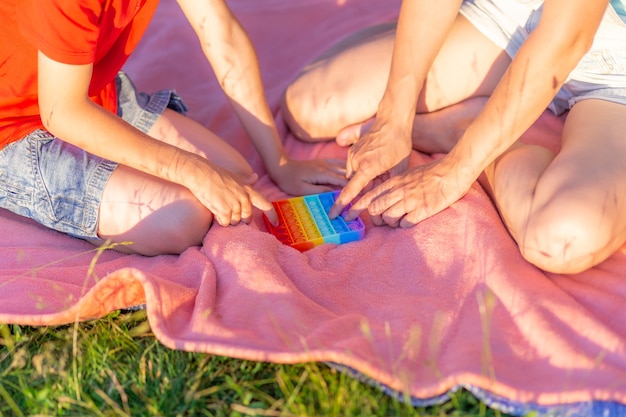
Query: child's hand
{"points": [[228, 196], [306, 177]]}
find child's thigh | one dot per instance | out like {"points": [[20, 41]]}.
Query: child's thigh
{"points": [[583, 191], [185, 133]]}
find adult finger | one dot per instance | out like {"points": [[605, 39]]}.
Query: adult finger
{"points": [[390, 200], [365, 202], [349, 193], [377, 220], [394, 215], [348, 135], [352, 160], [351, 134], [349, 166], [408, 222]]}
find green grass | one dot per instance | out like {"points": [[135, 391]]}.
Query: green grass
{"points": [[115, 367]]}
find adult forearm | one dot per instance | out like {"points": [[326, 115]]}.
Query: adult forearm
{"points": [[524, 92], [422, 28]]}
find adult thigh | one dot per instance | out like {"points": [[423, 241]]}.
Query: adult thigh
{"points": [[341, 87], [345, 85], [468, 65]]}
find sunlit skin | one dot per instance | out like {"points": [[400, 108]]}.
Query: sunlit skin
{"points": [[173, 183], [565, 211]]}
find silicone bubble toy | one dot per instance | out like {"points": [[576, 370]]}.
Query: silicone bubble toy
{"points": [[303, 222]]}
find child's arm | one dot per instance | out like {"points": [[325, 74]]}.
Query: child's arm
{"points": [[68, 113], [234, 61]]}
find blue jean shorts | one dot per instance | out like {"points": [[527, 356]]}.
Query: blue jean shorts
{"points": [[60, 185], [601, 73]]}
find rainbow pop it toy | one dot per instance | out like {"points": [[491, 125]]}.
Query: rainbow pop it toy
{"points": [[304, 222]]}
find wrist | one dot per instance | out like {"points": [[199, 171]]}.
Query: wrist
{"points": [[399, 122], [188, 169], [275, 164], [465, 168]]}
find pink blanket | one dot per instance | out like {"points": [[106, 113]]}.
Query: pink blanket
{"points": [[447, 304]]}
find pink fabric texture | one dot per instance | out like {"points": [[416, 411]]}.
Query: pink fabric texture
{"points": [[449, 302]]}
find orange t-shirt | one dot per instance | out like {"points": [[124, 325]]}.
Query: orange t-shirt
{"points": [[76, 32]]}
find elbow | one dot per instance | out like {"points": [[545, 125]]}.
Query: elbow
{"points": [[58, 117], [52, 113], [568, 46], [46, 113], [580, 44], [574, 45], [46, 121], [51, 122]]}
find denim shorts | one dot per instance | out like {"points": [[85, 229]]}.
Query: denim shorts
{"points": [[601, 73], [60, 185]]}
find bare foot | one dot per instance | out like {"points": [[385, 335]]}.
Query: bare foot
{"points": [[350, 134], [433, 132]]}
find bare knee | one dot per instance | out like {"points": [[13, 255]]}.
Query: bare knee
{"points": [[342, 87], [296, 119], [169, 230], [185, 231], [563, 244]]}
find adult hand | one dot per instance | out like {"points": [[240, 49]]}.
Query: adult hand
{"points": [[303, 177], [415, 195], [380, 150]]}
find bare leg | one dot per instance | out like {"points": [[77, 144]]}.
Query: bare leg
{"points": [[345, 85], [159, 216], [353, 71], [566, 210]]}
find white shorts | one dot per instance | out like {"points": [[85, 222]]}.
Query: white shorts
{"points": [[601, 73]]}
